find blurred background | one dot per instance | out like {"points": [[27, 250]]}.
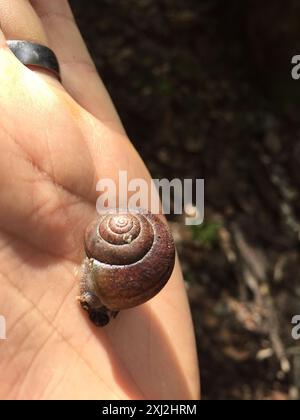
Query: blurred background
{"points": [[204, 89]]}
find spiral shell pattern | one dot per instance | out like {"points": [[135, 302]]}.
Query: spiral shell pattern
{"points": [[133, 256]]}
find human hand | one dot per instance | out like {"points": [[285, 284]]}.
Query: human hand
{"points": [[56, 142]]}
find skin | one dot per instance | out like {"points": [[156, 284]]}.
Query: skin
{"points": [[56, 142]]}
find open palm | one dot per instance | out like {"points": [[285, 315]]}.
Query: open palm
{"points": [[55, 144]]}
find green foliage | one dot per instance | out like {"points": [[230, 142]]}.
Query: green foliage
{"points": [[164, 86], [206, 234], [189, 276]]}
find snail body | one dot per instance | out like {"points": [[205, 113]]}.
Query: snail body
{"points": [[130, 257]]}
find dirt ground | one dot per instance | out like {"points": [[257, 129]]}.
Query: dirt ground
{"points": [[204, 89]]}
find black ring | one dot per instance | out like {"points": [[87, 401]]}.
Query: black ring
{"points": [[32, 54]]}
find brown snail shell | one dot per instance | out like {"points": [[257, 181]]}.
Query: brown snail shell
{"points": [[130, 258]]}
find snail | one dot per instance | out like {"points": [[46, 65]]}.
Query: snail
{"points": [[130, 256]]}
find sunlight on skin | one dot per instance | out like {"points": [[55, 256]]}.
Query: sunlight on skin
{"points": [[52, 153]]}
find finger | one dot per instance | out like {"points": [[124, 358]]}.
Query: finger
{"points": [[80, 77], [18, 20]]}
